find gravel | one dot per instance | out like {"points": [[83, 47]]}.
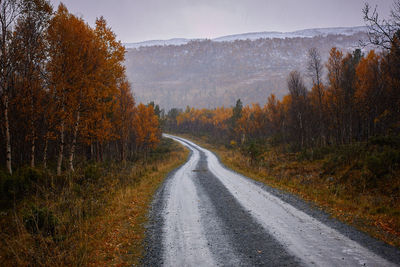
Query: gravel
{"points": [[239, 232]]}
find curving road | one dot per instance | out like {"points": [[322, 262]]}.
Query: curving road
{"points": [[207, 215]]}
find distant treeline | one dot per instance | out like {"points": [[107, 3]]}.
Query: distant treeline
{"points": [[360, 99], [64, 92]]}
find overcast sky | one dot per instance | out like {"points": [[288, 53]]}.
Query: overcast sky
{"points": [[141, 20]]}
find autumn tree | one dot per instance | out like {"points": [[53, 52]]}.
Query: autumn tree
{"points": [[124, 117], [236, 115], [335, 93], [315, 72], [349, 65], [109, 77], [369, 93], [9, 12], [145, 125], [171, 119], [220, 119], [391, 79], [29, 56], [298, 105], [275, 115], [74, 59], [385, 34]]}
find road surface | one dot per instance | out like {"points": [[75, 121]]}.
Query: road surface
{"points": [[207, 215]]}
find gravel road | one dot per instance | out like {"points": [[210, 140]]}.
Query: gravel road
{"points": [[207, 215]]}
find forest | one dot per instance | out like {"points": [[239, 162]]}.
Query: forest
{"points": [[72, 137], [64, 91], [360, 101]]}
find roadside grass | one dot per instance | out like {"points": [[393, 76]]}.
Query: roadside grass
{"points": [[342, 183], [94, 217]]}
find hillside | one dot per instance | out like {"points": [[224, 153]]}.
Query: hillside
{"points": [[210, 73]]}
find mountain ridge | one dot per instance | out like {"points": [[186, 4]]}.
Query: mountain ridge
{"points": [[304, 33]]}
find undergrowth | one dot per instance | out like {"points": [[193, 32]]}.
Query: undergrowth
{"points": [[54, 220]]}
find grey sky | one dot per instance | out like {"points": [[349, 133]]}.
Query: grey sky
{"points": [[140, 20]]}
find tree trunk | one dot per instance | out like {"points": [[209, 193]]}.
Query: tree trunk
{"points": [[97, 151], [8, 138], [46, 143], [123, 153], [91, 151], [33, 147], [301, 129], [61, 152], [71, 156], [101, 152], [321, 122]]}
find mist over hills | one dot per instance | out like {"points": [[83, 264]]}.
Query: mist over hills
{"points": [[210, 73]]}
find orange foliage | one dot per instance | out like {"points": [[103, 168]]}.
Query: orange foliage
{"points": [[368, 82], [145, 125], [73, 90]]}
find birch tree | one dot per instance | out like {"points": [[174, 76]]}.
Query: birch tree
{"points": [[9, 12]]}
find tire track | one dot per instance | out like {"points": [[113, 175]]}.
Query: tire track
{"points": [[212, 216]]}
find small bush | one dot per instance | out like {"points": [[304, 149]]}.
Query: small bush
{"points": [[40, 220], [275, 140], [7, 187], [162, 149], [20, 183], [314, 153], [337, 157], [392, 141], [254, 150], [322, 152], [92, 173], [305, 154], [375, 165], [31, 175], [382, 163]]}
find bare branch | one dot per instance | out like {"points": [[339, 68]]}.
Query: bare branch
{"points": [[382, 31], [314, 66]]}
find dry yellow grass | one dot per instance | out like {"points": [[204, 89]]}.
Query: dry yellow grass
{"points": [[116, 237], [99, 224]]}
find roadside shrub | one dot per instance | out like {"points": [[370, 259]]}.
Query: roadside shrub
{"points": [[293, 148], [40, 220], [20, 183], [382, 163], [375, 165], [304, 154], [163, 148], [331, 163], [7, 186], [346, 155], [322, 152], [31, 175], [254, 150], [92, 173], [392, 141], [275, 140], [317, 153]]}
